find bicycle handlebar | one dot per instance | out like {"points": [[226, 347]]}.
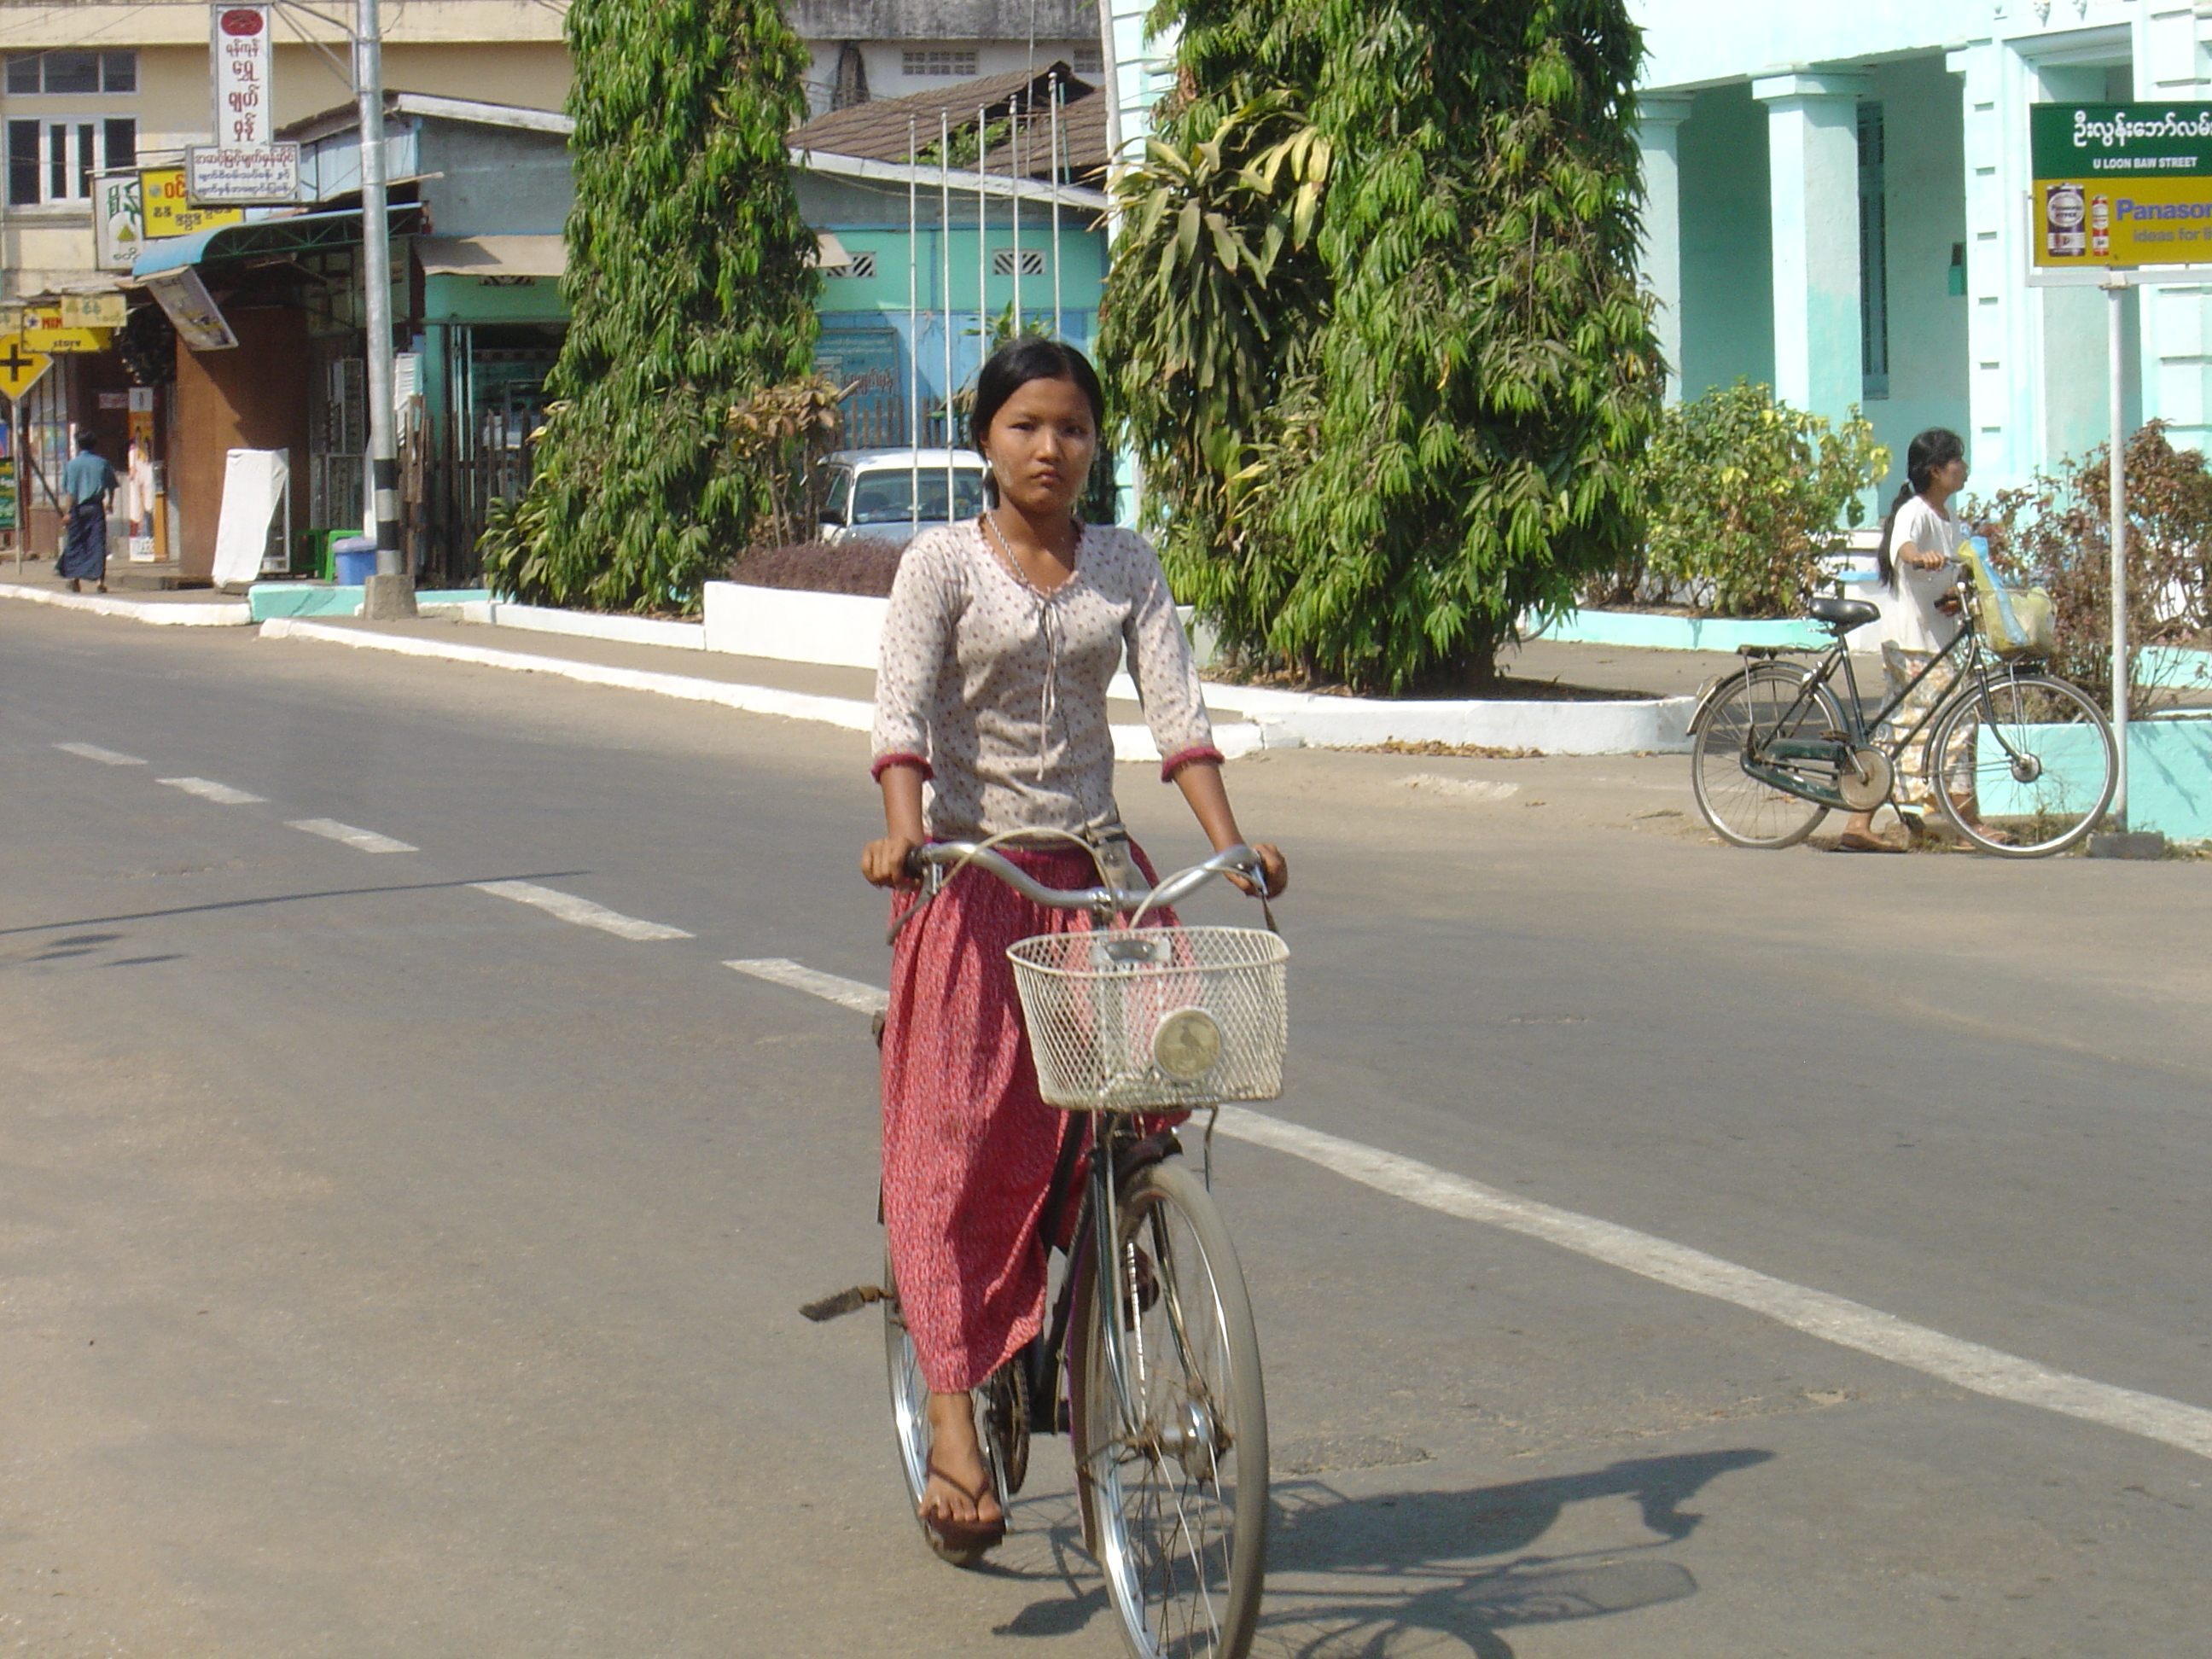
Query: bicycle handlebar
{"points": [[947, 855], [1241, 860]]}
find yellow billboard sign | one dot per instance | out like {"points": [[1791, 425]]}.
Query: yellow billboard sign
{"points": [[168, 208], [94, 311]]}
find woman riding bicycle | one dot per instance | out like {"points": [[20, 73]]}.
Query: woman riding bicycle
{"points": [[1001, 637]]}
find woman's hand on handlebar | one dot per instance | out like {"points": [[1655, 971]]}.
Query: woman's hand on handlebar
{"points": [[1273, 864], [884, 862]]}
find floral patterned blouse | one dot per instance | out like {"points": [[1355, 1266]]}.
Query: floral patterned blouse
{"points": [[996, 691]]}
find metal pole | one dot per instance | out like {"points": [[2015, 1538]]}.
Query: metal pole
{"points": [[397, 597], [913, 347], [945, 298], [2116, 344], [1059, 97], [1014, 203], [983, 248]]}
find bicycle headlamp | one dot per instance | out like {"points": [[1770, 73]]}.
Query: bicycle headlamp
{"points": [[1186, 1044]]}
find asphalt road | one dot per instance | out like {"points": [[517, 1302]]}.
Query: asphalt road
{"points": [[390, 1267]]}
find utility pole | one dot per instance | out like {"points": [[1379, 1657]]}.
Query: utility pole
{"points": [[391, 591]]}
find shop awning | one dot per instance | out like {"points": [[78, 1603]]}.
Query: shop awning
{"points": [[493, 256], [294, 234]]}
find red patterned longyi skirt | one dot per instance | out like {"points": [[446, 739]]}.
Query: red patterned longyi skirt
{"points": [[968, 1144]]}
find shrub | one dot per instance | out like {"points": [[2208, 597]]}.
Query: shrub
{"points": [[865, 566], [1745, 498], [2056, 532]]}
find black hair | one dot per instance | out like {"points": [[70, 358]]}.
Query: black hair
{"points": [[1013, 366], [1937, 446], [87, 440]]}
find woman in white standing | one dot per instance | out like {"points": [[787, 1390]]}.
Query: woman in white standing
{"points": [[1919, 562]]}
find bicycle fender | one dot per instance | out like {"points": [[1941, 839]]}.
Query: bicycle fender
{"points": [[1712, 691]]}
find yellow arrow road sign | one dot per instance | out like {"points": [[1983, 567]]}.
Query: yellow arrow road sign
{"points": [[20, 368]]}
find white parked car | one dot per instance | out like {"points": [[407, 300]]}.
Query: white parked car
{"points": [[893, 495]]}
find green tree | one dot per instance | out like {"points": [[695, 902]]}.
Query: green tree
{"points": [[1453, 444], [690, 288]]}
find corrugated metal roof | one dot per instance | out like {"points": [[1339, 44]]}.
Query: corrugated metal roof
{"points": [[879, 131]]}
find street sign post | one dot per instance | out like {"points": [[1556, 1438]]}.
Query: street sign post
{"points": [[2122, 192]]}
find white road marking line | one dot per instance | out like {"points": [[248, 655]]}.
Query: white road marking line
{"points": [[844, 993], [220, 793], [366, 841], [94, 751], [1832, 1318], [582, 912], [1847, 1324]]}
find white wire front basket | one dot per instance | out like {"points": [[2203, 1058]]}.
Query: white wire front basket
{"points": [[1122, 1019]]}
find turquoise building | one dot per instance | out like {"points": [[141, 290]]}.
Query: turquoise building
{"points": [[1836, 206], [922, 258]]}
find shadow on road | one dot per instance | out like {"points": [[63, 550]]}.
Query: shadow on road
{"points": [[1397, 1574]]}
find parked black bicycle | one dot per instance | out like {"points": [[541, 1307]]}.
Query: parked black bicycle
{"points": [[2023, 764]]}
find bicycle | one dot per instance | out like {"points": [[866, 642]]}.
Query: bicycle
{"points": [[1773, 750], [1163, 1398]]}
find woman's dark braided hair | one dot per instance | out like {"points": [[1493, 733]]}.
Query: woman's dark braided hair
{"points": [[1937, 446]]}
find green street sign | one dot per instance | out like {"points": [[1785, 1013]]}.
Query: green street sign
{"points": [[2121, 186], [2091, 140]]}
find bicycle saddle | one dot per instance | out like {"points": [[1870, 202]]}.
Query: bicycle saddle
{"points": [[1842, 614]]}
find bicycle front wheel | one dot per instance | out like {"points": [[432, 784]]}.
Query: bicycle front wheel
{"points": [[1170, 1424], [1744, 720], [2023, 766]]}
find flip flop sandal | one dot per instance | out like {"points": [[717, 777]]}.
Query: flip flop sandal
{"points": [[964, 1541], [1865, 844]]}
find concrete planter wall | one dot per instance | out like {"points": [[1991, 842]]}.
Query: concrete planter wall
{"points": [[787, 625], [2169, 775], [840, 629]]}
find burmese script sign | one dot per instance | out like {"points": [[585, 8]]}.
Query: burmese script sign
{"points": [[2121, 184]]}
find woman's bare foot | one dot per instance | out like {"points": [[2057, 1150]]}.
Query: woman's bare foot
{"points": [[959, 1496]]}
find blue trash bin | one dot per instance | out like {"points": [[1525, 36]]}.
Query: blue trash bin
{"points": [[354, 558]]}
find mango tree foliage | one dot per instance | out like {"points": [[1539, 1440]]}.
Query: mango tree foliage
{"points": [[1459, 396], [690, 287]]}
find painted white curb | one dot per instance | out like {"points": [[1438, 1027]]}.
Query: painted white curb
{"points": [[169, 613], [1131, 743]]}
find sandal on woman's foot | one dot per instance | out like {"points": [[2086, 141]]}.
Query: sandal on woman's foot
{"points": [[965, 1537], [1853, 841]]}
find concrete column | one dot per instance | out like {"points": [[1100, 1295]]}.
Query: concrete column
{"points": [[1658, 126], [1812, 167]]}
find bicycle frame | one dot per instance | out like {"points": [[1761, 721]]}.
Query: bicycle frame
{"points": [[1770, 761]]}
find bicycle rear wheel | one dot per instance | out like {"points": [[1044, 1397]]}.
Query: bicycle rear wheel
{"points": [[2036, 759], [1000, 1406], [1762, 700], [1171, 1441]]}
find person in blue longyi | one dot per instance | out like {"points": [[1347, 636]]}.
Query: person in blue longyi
{"points": [[87, 483]]}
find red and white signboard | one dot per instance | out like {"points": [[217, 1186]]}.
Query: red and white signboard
{"points": [[242, 166], [245, 115]]}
